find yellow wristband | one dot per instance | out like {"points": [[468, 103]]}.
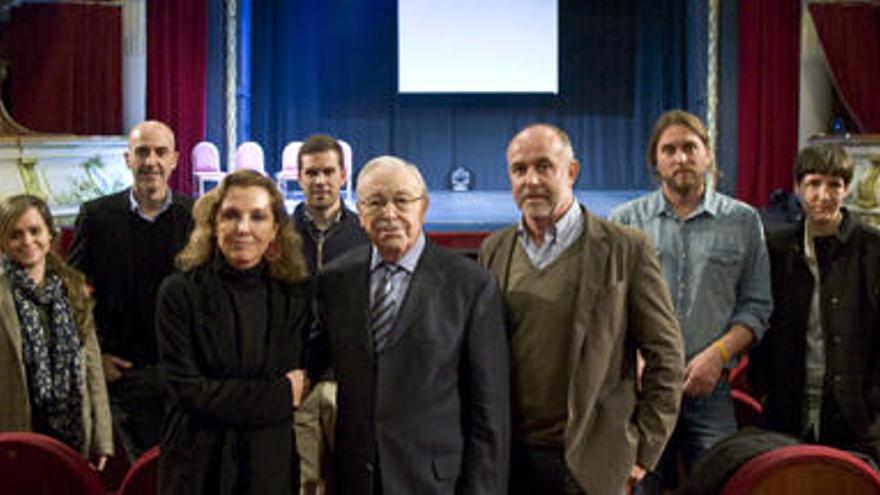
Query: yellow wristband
{"points": [[725, 356]]}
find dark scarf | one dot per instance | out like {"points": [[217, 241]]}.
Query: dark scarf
{"points": [[51, 355]]}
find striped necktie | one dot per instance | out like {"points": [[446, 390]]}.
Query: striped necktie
{"points": [[384, 308]]}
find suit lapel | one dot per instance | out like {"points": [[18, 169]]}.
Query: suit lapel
{"points": [[592, 279], [355, 302], [501, 257]]}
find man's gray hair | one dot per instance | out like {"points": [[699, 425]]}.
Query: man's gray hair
{"points": [[388, 161]]}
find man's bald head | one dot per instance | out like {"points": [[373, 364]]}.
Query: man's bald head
{"points": [[553, 136], [154, 126], [542, 172], [151, 157]]}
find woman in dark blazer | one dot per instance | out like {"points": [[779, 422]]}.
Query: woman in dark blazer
{"points": [[51, 379], [229, 329]]}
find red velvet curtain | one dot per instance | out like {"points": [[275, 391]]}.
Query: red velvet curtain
{"points": [[65, 67], [176, 61], [850, 37], [767, 120]]}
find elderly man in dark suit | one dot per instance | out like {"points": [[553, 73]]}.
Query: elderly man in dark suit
{"points": [[416, 339], [125, 244], [583, 295]]}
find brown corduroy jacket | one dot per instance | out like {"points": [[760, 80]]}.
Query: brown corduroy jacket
{"points": [[623, 306]]}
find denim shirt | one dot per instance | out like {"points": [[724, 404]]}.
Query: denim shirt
{"points": [[714, 262]]}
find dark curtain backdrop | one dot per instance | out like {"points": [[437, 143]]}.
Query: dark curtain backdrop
{"points": [[331, 67], [215, 83], [850, 37], [65, 67], [176, 58], [769, 51], [728, 54]]}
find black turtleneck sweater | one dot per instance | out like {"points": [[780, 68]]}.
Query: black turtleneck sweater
{"points": [[246, 302]]}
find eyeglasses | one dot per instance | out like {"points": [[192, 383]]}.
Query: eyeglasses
{"points": [[378, 203]]}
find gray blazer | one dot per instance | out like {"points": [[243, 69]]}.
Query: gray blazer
{"points": [[623, 306], [15, 409]]}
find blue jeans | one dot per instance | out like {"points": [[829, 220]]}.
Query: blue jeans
{"points": [[702, 422]]}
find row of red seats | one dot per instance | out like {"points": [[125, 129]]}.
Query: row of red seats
{"points": [[34, 464], [31, 463]]}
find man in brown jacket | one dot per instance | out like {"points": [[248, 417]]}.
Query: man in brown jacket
{"points": [[583, 296]]}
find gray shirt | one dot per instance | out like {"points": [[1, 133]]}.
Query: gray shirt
{"points": [[815, 356]]}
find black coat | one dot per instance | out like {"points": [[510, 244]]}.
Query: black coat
{"points": [[850, 308], [101, 249], [430, 414], [227, 429]]}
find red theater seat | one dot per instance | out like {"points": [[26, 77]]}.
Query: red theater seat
{"points": [[34, 464], [738, 377], [141, 478], [117, 466], [804, 470], [65, 239], [748, 409]]}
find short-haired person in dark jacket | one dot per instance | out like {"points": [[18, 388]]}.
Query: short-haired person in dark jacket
{"points": [[818, 367], [328, 229], [125, 244], [327, 226]]}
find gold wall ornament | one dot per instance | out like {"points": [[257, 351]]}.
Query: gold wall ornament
{"points": [[33, 182], [867, 190]]}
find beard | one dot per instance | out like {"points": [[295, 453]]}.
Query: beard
{"points": [[683, 183], [537, 206]]}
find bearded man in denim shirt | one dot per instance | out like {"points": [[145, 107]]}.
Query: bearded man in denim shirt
{"points": [[711, 248]]}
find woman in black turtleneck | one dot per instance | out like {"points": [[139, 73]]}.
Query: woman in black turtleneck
{"points": [[230, 329]]}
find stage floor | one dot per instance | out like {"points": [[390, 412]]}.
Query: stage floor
{"points": [[460, 221], [492, 210], [485, 211]]}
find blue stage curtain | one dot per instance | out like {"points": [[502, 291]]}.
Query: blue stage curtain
{"points": [[330, 67]]}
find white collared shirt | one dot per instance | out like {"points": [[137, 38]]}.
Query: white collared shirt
{"points": [[557, 239], [136, 207]]}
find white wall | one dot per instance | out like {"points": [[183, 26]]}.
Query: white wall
{"points": [[814, 112]]}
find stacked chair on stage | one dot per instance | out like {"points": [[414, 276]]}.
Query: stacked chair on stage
{"points": [[249, 155], [206, 166], [346, 162], [288, 176]]}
